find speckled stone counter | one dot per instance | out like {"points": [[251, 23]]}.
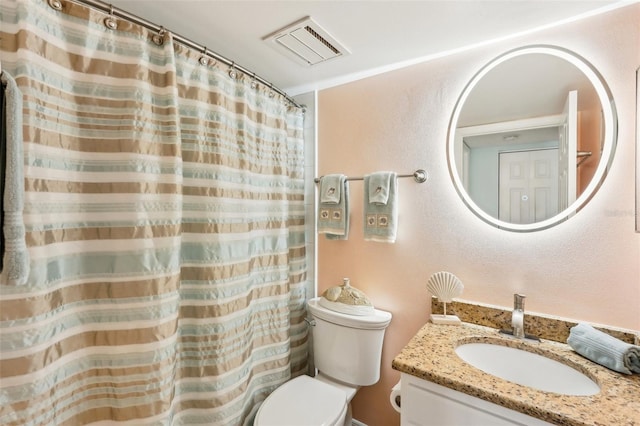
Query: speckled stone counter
{"points": [[430, 355]]}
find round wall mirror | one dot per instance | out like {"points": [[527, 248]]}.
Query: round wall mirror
{"points": [[531, 138]]}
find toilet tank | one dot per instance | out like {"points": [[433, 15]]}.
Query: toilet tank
{"points": [[348, 347]]}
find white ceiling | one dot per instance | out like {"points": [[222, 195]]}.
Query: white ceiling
{"points": [[525, 86], [381, 35]]}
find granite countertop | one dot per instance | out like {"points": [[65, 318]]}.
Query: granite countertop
{"points": [[430, 355]]}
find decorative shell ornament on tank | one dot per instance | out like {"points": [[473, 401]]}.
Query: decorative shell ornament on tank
{"points": [[445, 286], [346, 300]]}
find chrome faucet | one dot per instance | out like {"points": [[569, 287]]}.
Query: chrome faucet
{"points": [[517, 316]]}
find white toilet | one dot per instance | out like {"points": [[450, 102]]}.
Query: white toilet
{"points": [[346, 349]]}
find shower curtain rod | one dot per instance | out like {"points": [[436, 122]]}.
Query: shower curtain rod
{"points": [[419, 176], [110, 9]]}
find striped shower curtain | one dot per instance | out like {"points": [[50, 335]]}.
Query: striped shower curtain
{"points": [[164, 219]]}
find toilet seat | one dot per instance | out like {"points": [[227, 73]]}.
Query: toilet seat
{"points": [[303, 401]]}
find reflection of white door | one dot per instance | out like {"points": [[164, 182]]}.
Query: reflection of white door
{"points": [[568, 152], [528, 183]]}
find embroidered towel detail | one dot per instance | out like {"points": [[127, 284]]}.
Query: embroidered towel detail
{"points": [[381, 220], [15, 264], [330, 189], [379, 187], [604, 349], [333, 216]]}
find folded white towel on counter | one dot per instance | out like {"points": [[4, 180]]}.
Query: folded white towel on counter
{"points": [[333, 207], [604, 349], [381, 207]]}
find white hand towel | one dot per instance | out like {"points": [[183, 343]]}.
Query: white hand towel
{"points": [[604, 349], [378, 187], [333, 207], [331, 188], [381, 218]]}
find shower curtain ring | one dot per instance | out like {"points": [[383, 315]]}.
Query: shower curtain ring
{"points": [[254, 83], [110, 21], [203, 59], [159, 38], [55, 4], [232, 71], [271, 92]]}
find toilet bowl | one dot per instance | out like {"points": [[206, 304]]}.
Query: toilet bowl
{"points": [[339, 342]]}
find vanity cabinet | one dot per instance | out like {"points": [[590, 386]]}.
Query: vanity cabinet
{"points": [[426, 403]]}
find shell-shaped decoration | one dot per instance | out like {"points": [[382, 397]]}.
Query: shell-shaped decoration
{"points": [[347, 300], [445, 286], [332, 293], [347, 295]]}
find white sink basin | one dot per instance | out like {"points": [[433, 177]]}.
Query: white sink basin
{"points": [[527, 369]]}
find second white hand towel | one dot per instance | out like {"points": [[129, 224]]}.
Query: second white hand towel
{"points": [[381, 207]]}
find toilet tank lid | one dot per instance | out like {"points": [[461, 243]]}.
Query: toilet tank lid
{"points": [[302, 401], [375, 321]]}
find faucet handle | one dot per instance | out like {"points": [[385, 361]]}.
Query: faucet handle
{"points": [[518, 301]]}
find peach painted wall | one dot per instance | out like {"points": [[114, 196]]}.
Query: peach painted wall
{"points": [[587, 268]]}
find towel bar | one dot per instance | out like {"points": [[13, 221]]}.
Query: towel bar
{"points": [[420, 176]]}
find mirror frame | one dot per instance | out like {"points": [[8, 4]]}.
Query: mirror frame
{"points": [[608, 143]]}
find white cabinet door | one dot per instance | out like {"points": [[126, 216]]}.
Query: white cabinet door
{"points": [[425, 403]]}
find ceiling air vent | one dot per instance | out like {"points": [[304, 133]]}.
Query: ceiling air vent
{"points": [[306, 42]]}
